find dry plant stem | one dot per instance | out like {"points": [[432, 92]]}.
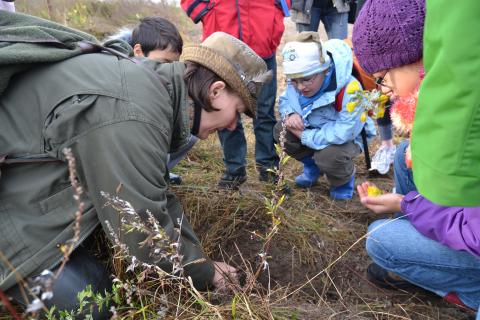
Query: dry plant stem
{"points": [[19, 277], [200, 296], [282, 158], [68, 248], [8, 306], [276, 200], [21, 282]]}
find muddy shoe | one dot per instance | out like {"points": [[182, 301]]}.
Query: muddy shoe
{"points": [[385, 279], [231, 182]]}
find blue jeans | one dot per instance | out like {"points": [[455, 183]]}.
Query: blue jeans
{"points": [[234, 143], [336, 24], [397, 246], [402, 175]]}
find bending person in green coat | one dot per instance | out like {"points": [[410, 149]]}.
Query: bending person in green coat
{"points": [[120, 119], [446, 131]]}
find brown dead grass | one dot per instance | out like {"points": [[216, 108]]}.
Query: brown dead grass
{"points": [[307, 278]]}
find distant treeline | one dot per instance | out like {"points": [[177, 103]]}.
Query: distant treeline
{"points": [[103, 18]]}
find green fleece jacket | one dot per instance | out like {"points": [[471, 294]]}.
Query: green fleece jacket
{"points": [[26, 41], [446, 132], [120, 119]]}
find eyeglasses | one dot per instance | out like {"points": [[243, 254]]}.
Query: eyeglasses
{"points": [[306, 81], [380, 81]]}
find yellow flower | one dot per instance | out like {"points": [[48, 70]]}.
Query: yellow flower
{"points": [[383, 99], [353, 87], [381, 111], [351, 106], [373, 191], [363, 117]]}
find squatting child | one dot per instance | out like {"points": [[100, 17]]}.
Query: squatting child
{"points": [[325, 138]]}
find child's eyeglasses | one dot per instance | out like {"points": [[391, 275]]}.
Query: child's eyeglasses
{"points": [[380, 81], [306, 81]]}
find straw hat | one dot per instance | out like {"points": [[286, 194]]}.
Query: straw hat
{"points": [[233, 61]]}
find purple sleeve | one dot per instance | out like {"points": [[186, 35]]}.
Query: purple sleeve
{"points": [[455, 227]]}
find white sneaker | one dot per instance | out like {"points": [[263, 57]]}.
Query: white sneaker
{"points": [[383, 158]]}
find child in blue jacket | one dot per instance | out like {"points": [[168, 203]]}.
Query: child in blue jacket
{"points": [[325, 140]]}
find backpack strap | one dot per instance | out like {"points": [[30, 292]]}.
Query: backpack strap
{"points": [[363, 133]]}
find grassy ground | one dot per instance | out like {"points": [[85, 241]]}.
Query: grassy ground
{"points": [[316, 260]]}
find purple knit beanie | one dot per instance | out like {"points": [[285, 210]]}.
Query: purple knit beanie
{"points": [[389, 34]]}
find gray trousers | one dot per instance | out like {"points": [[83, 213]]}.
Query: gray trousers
{"points": [[336, 161]]}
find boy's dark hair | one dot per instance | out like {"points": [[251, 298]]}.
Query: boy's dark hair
{"points": [[199, 79], [154, 33]]}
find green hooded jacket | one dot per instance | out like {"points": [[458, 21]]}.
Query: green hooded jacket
{"points": [[446, 131], [121, 119]]}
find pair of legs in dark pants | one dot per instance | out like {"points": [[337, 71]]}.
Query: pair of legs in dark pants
{"points": [[234, 143], [82, 269], [335, 161], [335, 23]]}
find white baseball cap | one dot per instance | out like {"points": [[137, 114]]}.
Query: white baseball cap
{"points": [[304, 58]]}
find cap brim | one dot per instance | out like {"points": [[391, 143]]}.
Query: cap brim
{"points": [[221, 66]]}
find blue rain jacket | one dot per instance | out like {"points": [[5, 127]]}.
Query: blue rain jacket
{"points": [[326, 126]]}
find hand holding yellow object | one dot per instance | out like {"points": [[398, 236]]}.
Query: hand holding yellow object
{"points": [[374, 191]]}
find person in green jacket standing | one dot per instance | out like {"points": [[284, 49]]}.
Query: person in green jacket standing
{"points": [[120, 118], [446, 131]]}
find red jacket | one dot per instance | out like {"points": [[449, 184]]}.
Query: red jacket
{"points": [[258, 23]]}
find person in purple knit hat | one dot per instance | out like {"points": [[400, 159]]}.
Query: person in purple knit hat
{"points": [[427, 245]]}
